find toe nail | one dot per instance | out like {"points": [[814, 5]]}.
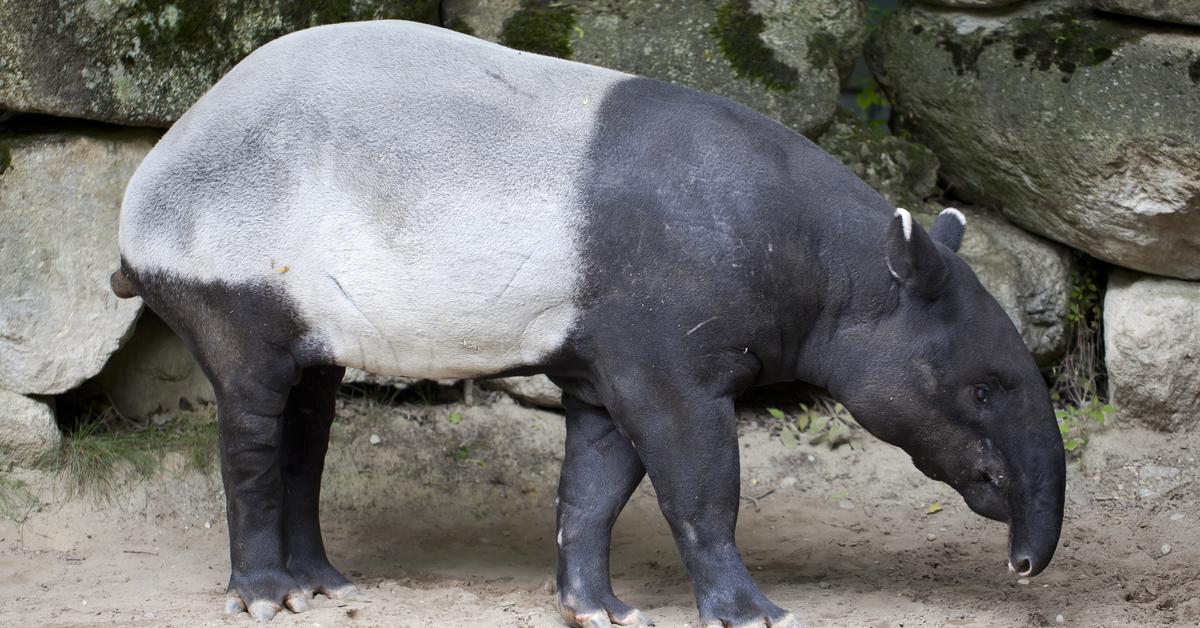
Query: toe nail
{"points": [[635, 618], [263, 610], [787, 621], [593, 620], [234, 605], [297, 603], [343, 593]]}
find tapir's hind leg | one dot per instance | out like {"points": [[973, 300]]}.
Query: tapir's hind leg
{"points": [[254, 349], [307, 418], [599, 473]]}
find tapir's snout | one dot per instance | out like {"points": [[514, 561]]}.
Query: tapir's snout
{"points": [[1036, 497]]}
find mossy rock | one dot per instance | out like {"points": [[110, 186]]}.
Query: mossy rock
{"points": [[903, 171], [144, 62], [1171, 11], [1078, 125], [785, 59]]}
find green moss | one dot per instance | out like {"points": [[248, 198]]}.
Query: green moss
{"points": [[177, 31], [1069, 41], [822, 50], [541, 27], [738, 32], [965, 50]]}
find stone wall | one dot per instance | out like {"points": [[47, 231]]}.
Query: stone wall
{"points": [[1053, 124]]}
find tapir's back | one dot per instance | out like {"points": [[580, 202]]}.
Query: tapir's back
{"points": [[411, 189]]}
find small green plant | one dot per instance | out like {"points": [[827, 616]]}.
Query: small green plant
{"points": [[455, 418], [102, 446], [462, 454], [825, 421], [1076, 422], [869, 96], [16, 500], [1078, 390]]}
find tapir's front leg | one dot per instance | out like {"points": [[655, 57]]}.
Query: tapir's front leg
{"points": [[599, 473], [687, 439]]}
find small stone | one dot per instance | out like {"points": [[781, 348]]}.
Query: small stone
{"points": [[375, 440], [207, 525], [823, 585], [846, 504], [1023, 581], [789, 481], [931, 537], [1166, 549], [1177, 516], [1059, 619], [1066, 542]]}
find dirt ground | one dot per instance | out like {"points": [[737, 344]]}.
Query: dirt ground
{"points": [[451, 523]]}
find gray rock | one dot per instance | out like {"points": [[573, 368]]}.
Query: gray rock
{"points": [[970, 4], [1175, 11], [536, 390], [28, 433], [153, 372], [904, 172], [1079, 128], [1029, 276], [144, 63], [784, 58], [60, 194], [1152, 349]]}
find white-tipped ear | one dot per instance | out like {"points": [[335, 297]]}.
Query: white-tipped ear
{"points": [[905, 222], [911, 256], [949, 228]]}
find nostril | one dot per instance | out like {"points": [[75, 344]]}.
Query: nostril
{"points": [[1023, 567]]}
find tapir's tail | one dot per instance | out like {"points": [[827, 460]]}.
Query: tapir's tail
{"points": [[122, 286]]}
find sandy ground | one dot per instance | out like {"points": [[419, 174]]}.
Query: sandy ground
{"points": [[842, 538]]}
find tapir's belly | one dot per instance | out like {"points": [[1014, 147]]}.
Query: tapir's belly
{"points": [[447, 298]]}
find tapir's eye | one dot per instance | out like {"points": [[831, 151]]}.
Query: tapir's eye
{"points": [[981, 393]]}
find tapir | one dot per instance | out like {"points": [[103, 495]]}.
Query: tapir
{"points": [[408, 200]]}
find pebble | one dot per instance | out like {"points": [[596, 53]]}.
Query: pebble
{"points": [[1177, 517], [823, 585], [1023, 581], [931, 537], [1059, 619], [1166, 549], [846, 504], [375, 440], [788, 481]]}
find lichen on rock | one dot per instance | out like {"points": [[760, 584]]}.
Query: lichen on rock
{"points": [[542, 27]]}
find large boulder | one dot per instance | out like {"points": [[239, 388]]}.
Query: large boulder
{"points": [[1152, 349], [971, 4], [1176, 11], [144, 62], [784, 58], [28, 433], [1029, 276], [153, 372], [60, 196], [1078, 127]]}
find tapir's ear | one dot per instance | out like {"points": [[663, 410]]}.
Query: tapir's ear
{"points": [[949, 227], [912, 257]]}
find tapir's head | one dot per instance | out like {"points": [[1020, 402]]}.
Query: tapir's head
{"points": [[948, 379]]}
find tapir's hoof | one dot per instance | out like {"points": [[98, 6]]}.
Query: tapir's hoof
{"points": [[787, 621], [264, 610], [265, 595], [620, 615]]}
